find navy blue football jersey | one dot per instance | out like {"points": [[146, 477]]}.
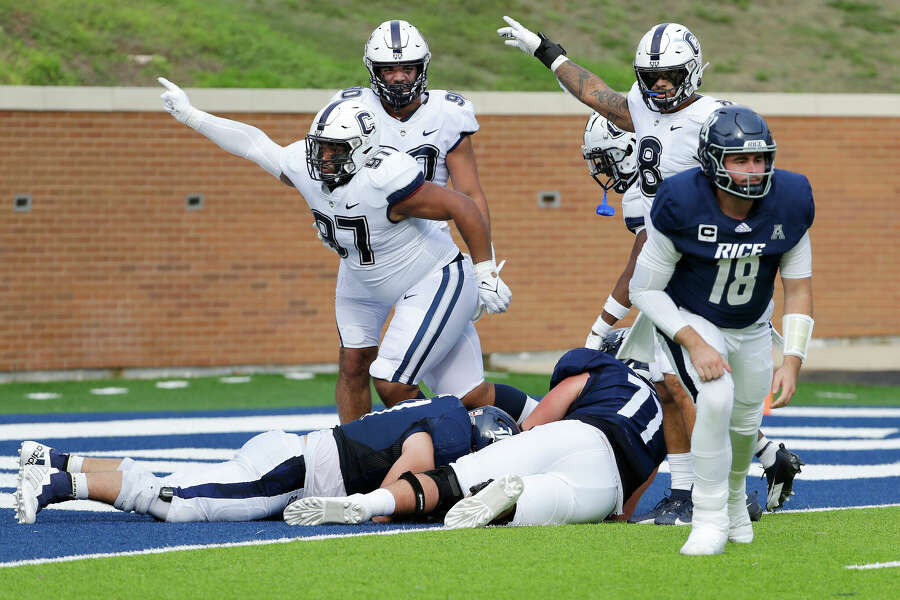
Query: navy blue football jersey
{"points": [[727, 270], [622, 405], [369, 446]]}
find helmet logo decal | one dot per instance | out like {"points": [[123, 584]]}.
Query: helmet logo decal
{"points": [[754, 145], [692, 41], [366, 122], [325, 113]]}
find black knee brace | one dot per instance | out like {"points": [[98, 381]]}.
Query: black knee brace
{"points": [[449, 490], [410, 478]]}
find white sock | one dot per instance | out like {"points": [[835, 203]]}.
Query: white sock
{"points": [[379, 503], [765, 452], [74, 464], [681, 468], [80, 486]]}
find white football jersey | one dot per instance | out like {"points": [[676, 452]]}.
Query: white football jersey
{"points": [[434, 130], [633, 207], [667, 143], [385, 257]]}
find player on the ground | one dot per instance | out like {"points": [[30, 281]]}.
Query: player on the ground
{"points": [[719, 234], [434, 127], [665, 111], [373, 205], [268, 471], [587, 452]]}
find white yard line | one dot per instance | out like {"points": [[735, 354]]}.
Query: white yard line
{"points": [[894, 563]]}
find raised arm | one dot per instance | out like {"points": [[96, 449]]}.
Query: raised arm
{"points": [[235, 137], [584, 85]]}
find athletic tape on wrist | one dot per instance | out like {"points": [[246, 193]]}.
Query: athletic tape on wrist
{"points": [[797, 329], [613, 307]]}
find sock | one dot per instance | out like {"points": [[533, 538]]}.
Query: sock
{"points": [[379, 503], [681, 469], [80, 486], [512, 400], [58, 490], [74, 463], [58, 460], [765, 452]]}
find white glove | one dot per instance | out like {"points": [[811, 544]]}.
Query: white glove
{"points": [[492, 292], [519, 37], [176, 102], [598, 331]]}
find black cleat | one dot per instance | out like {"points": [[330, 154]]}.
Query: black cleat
{"points": [[780, 477], [668, 508], [754, 508]]}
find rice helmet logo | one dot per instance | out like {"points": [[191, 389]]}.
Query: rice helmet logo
{"points": [[693, 42], [752, 145]]}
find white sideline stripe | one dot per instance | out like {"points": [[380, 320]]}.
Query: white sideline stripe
{"points": [[893, 563], [12, 462], [788, 511], [174, 426], [826, 472], [874, 412], [830, 432], [42, 561], [852, 445]]}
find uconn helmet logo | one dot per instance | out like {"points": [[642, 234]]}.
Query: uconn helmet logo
{"points": [[692, 41]]}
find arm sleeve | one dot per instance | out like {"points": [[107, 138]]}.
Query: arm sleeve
{"points": [[242, 140], [652, 271], [796, 263]]}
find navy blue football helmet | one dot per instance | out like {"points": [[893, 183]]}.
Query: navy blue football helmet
{"points": [[490, 424], [611, 343], [736, 130]]}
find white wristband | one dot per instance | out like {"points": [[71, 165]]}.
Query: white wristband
{"points": [[558, 61], [613, 307], [797, 329]]}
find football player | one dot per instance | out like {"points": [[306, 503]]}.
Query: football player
{"points": [[434, 127], [665, 112], [586, 453], [372, 204], [718, 236], [268, 471]]}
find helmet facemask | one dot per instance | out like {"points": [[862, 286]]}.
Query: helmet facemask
{"points": [[330, 160], [724, 179], [398, 95], [609, 151], [607, 161], [678, 76]]}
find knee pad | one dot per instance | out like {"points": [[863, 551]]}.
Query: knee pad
{"points": [[717, 397], [449, 490], [139, 489]]}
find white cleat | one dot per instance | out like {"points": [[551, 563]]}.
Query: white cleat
{"points": [[34, 453], [486, 505], [317, 510], [29, 485], [740, 529], [704, 540]]}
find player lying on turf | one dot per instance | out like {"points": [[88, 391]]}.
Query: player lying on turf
{"points": [[271, 469], [588, 452]]}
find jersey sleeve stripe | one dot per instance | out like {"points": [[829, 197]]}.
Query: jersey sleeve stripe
{"points": [[407, 190], [462, 136]]}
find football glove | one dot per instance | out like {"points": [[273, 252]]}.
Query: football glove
{"points": [[322, 239], [176, 102], [598, 330], [537, 45], [493, 293]]}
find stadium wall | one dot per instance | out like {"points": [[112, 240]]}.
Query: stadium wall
{"points": [[108, 267]]}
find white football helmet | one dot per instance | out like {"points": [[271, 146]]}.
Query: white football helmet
{"points": [[668, 50], [609, 151], [397, 43], [340, 141]]}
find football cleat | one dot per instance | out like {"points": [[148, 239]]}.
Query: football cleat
{"points": [[34, 453], [482, 508], [754, 508], [704, 540], [740, 529], [316, 511], [32, 482], [780, 477], [667, 507]]}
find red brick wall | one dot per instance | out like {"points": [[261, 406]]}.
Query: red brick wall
{"points": [[109, 269]]}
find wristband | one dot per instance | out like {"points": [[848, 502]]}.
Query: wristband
{"points": [[797, 329], [559, 61], [613, 307], [548, 51]]}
